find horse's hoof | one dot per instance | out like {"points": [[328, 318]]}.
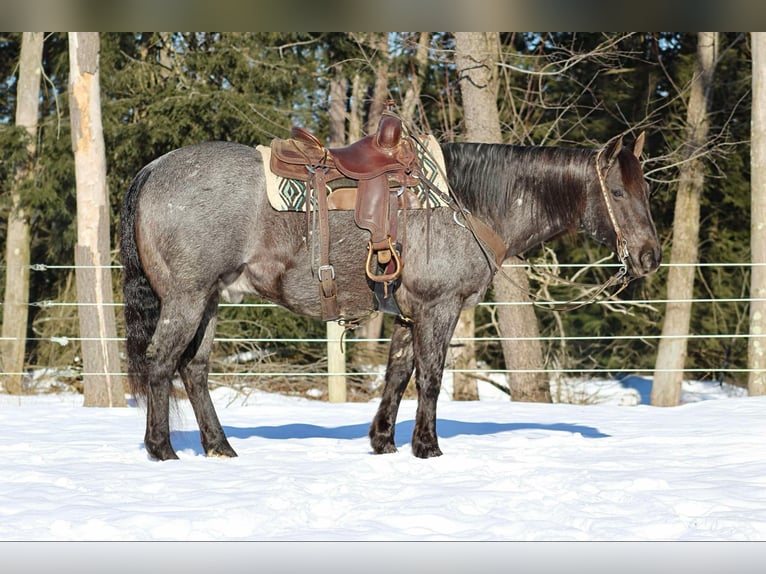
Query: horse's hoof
{"points": [[387, 449], [221, 452], [166, 453], [426, 451], [383, 445], [219, 448]]}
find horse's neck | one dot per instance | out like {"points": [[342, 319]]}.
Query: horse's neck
{"points": [[526, 194], [549, 204]]}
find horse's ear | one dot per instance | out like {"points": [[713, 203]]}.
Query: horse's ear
{"points": [[612, 148], [638, 145]]}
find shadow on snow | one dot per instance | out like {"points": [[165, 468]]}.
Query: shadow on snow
{"points": [[189, 439]]}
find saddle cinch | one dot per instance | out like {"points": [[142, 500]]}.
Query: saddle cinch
{"points": [[382, 166]]}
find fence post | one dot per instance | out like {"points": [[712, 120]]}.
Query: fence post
{"points": [[336, 363]]}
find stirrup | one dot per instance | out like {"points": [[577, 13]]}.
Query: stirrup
{"points": [[386, 276]]}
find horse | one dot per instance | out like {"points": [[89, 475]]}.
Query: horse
{"points": [[196, 226]]}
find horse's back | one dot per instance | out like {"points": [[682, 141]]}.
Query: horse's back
{"points": [[204, 173]]}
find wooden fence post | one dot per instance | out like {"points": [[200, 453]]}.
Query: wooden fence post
{"points": [[336, 363]]}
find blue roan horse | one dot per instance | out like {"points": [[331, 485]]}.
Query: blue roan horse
{"points": [[197, 225]]}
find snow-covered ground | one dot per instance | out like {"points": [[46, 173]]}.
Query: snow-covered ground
{"points": [[510, 471]]}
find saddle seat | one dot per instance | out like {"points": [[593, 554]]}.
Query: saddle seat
{"points": [[384, 152]]}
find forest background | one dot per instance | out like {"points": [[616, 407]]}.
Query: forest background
{"points": [[160, 91]]}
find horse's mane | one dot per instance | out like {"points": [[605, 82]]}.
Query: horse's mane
{"points": [[489, 179]]}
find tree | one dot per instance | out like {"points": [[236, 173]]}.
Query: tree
{"points": [[17, 248], [671, 352], [102, 385], [476, 55], [476, 58], [379, 96], [412, 92], [757, 344]]}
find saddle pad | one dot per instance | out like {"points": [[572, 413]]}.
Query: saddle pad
{"points": [[290, 194]]}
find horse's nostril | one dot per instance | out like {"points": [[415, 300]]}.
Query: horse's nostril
{"points": [[650, 260]]}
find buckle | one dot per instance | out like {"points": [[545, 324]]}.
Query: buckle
{"points": [[329, 268]]}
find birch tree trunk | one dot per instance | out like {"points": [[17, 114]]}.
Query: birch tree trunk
{"points": [[102, 384], [756, 350], [17, 257], [671, 352]]}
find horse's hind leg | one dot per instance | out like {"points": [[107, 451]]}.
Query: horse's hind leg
{"points": [[401, 362], [157, 436], [180, 316], [194, 370]]}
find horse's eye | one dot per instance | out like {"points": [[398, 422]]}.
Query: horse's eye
{"points": [[618, 192]]}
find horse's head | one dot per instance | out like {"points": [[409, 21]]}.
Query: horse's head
{"points": [[619, 213]]}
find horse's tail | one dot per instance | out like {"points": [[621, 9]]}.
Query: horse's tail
{"points": [[141, 305]]}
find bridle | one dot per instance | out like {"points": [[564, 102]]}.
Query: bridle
{"points": [[621, 243], [621, 249]]}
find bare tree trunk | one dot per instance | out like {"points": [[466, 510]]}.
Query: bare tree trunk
{"points": [[338, 87], [412, 95], [356, 111], [523, 356], [476, 56], [756, 350], [17, 255], [379, 43], [671, 352], [102, 385]]}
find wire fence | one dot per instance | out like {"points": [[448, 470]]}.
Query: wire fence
{"points": [[701, 305]]}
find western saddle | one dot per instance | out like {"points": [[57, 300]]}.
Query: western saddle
{"points": [[381, 166]]}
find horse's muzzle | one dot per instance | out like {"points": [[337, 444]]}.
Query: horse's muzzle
{"points": [[648, 261]]}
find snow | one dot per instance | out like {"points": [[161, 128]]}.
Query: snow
{"points": [[616, 470]]}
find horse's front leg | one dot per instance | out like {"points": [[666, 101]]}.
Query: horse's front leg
{"points": [[432, 334], [401, 362]]}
